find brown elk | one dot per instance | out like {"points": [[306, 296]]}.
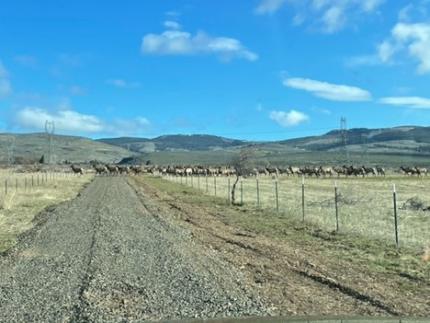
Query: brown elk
{"points": [[100, 169], [77, 170]]}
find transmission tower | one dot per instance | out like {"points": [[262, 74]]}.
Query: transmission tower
{"points": [[50, 130], [344, 138]]}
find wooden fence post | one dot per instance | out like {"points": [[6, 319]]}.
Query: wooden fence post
{"points": [[395, 215], [336, 207], [303, 198], [258, 193], [276, 196]]}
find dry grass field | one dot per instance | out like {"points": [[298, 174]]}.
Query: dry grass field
{"points": [[365, 205], [27, 194]]}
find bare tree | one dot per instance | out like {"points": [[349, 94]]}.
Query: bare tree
{"points": [[242, 164]]}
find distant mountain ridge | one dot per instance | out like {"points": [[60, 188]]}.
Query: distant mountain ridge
{"points": [[405, 141], [174, 143], [405, 137]]}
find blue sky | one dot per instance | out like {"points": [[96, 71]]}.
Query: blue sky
{"points": [[250, 69]]}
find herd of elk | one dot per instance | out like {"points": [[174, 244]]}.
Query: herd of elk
{"points": [[180, 170]]}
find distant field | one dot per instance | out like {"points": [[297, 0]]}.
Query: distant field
{"points": [[27, 195], [365, 205]]}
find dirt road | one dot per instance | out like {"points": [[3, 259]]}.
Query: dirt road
{"points": [[105, 257]]}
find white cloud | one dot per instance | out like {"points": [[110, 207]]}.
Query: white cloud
{"points": [[334, 92], [5, 87], [176, 42], [288, 119], [413, 102], [269, 6], [120, 83], [65, 120], [385, 51], [330, 15], [334, 19], [169, 24], [411, 38], [69, 121]]}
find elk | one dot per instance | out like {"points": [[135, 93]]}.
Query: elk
{"points": [[380, 170], [326, 171], [112, 169], [77, 170], [369, 170], [410, 170], [422, 171], [100, 169]]}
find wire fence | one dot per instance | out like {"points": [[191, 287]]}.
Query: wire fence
{"points": [[395, 209], [13, 184]]}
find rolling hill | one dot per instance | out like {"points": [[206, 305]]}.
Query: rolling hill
{"points": [[406, 144], [29, 148]]}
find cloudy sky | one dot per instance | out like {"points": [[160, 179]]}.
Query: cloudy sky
{"points": [[252, 69]]}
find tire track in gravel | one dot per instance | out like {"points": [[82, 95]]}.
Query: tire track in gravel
{"points": [[89, 272], [105, 257]]}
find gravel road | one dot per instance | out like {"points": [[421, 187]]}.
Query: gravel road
{"points": [[104, 257]]}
